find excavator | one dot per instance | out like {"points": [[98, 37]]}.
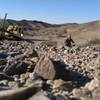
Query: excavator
{"points": [[12, 32], [15, 32]]}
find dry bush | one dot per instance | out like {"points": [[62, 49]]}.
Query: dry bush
{"points": [[94, 41], [49, 43]]}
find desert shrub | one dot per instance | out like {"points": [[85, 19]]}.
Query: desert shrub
{"points": [[93, 42], [49, 43]]}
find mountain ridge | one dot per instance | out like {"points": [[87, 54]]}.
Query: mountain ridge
{"points": [[80, 32]]}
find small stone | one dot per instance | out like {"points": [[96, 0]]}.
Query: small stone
{"points": [[14, 84], [4, 83], [92, 85], [58, 83], [82, 94]]}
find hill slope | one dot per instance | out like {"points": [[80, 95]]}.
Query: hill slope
{"points": [[80, 32]]}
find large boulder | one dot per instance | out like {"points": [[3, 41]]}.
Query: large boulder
{"points": [[49, 69], [45, 68], [3, 55]]}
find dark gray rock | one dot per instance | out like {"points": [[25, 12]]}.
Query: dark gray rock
{"points": [[3, 61], [33, 53], [4, 76], [3, 56], [16, 68], [13, 53], [39, 96]]}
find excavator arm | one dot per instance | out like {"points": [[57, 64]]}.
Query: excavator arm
{"points": [[2, 29]]}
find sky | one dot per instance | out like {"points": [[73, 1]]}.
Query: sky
{"points": [[51, 11]]}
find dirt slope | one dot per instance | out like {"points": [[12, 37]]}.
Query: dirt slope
{"points": [[81, 33]]}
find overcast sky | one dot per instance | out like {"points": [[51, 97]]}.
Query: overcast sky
{"points": [[52, 11]]}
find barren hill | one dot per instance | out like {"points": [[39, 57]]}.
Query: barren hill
{"points": [[80, 32]]}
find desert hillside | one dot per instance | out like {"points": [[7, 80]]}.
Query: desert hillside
{"points": [[44, 70], [81, 33]]}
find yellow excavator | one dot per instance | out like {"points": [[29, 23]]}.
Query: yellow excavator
{"points": [[12, 32]]}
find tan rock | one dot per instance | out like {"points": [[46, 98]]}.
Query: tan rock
{"points": [[82, 94], [92, 85], [45, 68], [96, 94], [39, 96]]}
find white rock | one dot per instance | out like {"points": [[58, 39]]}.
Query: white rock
{"points": [[92, 85]]}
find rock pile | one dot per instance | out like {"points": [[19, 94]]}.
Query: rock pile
{"points": [[55, 74]]}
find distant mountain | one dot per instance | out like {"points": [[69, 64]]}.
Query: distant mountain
{"points": [[38, 27], [78, 31]]}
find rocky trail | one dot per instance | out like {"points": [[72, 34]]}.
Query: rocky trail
{"points": [[30, 71]]}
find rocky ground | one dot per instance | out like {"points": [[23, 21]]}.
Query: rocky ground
{"points": [[30, 71]]}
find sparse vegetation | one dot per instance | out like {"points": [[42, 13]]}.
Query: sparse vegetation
{"points": [[93, 42]]}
